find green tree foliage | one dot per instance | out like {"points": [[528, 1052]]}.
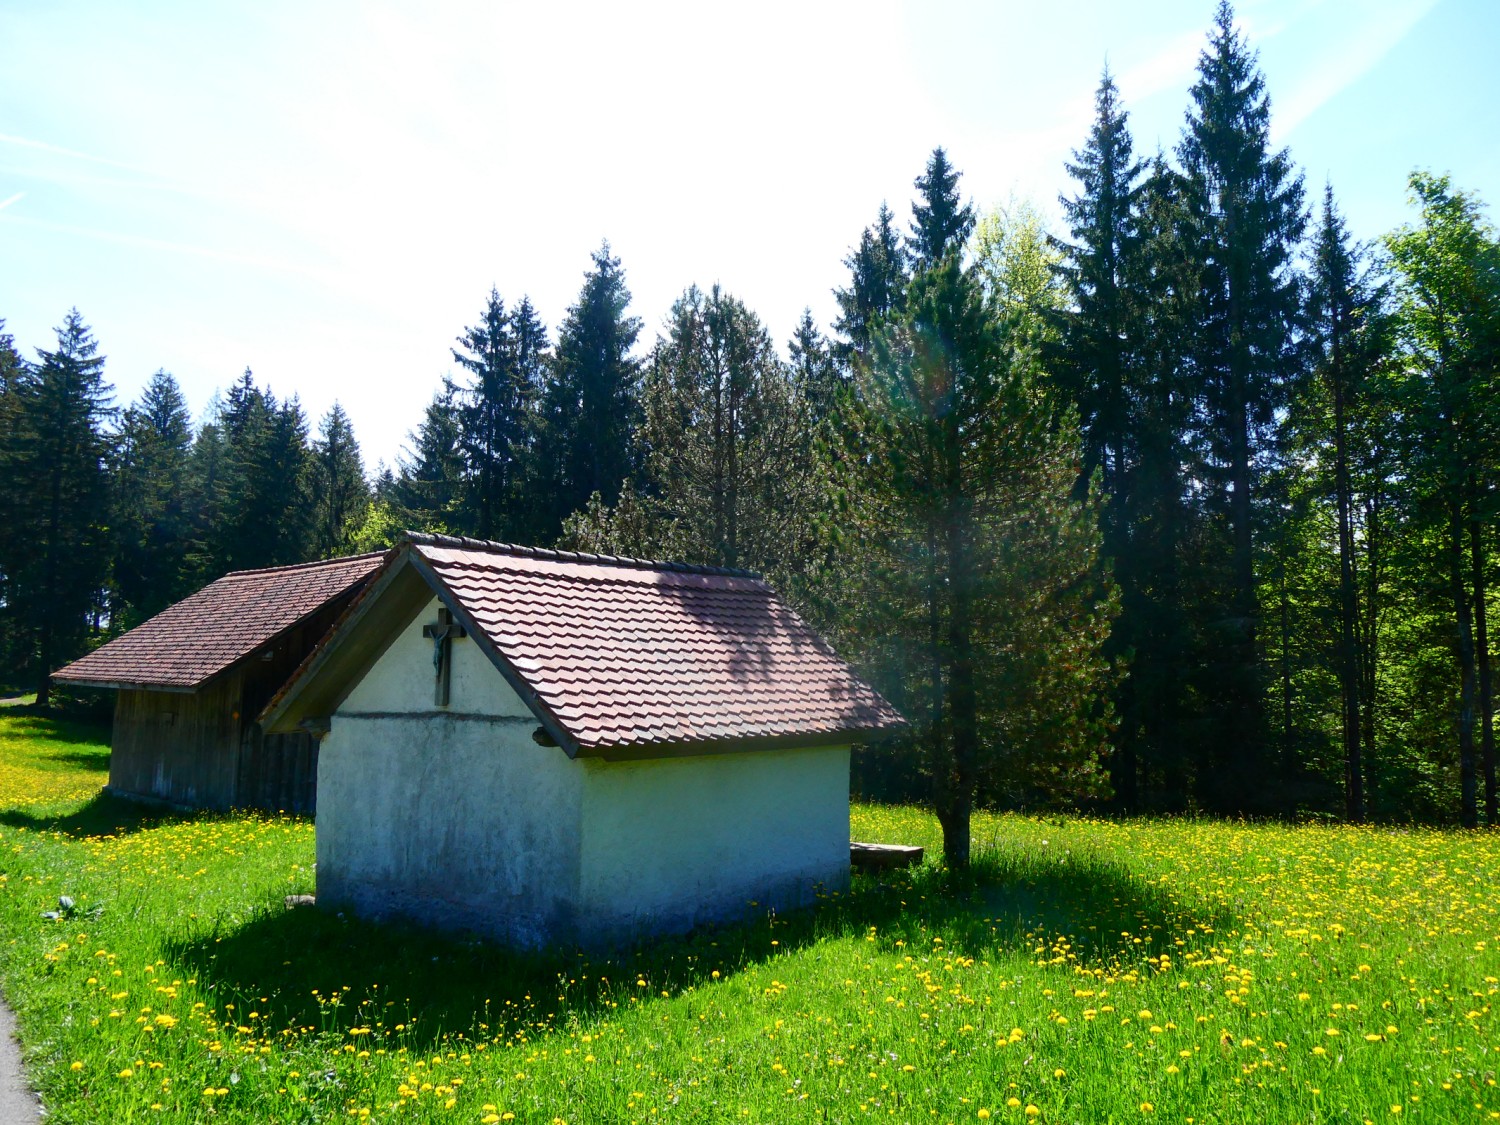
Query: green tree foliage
{"points": [[58, 553], [962, 535], [1448, 288], [13, 372], [590, 404], [1350, 339], [877, 283], [1094, 365], [153, 525], [724, 447], [429, 482], [1245, 216], [941, 220], [340, 494], [815, 370], [504, 353], [255, 468]]}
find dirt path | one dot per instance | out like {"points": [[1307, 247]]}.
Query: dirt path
{"points": [[18, 1105]]}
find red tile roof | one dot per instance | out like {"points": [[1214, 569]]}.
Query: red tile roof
{"points": [[630, 655], [194, 640]]}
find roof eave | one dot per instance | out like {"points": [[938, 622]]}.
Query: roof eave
{"points": [[699, 748], [126, 685]]}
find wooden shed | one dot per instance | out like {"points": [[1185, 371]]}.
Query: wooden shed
{"points": [[192, 679]]}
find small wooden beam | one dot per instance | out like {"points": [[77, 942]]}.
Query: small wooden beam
{"points": [[883, 857]]}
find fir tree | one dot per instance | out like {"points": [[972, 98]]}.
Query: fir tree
{"points": [[1093, 360], [1346, 325], [877, 281], [493, 415], [340, 493], [1245, 210], [58, 581], [815, 370], [154, 534], [941, 221], [959, 528], [591, 401], [258, 460], [430, 481]]}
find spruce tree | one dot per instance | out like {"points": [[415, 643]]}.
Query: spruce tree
{"points": [[258, 460], [58, 582], [815, 370], [1346, 328], [1094, 358], [429, 484], [941, 221], [1157, 535], [153, 521], [591, 401], [340, 494], [723, 442], [1246, 219], [493, 415], [877, 282], [14, 374]]}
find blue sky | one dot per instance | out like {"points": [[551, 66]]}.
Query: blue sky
{"points": [[325, 192]]}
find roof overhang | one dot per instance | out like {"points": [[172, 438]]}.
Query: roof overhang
{"points": [[389, 604]]}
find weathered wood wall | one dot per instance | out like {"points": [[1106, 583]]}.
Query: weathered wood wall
{"points": [[179, 747], [205, 750]]}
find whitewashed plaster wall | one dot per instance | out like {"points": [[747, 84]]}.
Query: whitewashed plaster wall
{"points": [[672, 843], [456, 818]]}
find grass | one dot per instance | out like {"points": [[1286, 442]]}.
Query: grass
{"points": [[1089, 972]]}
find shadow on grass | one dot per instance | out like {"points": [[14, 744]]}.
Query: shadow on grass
{"points": [[291, 961], [48, 725], [97, 760], [103, 815]]}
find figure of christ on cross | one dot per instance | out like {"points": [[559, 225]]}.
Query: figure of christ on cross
{"points": [[443, 635]]}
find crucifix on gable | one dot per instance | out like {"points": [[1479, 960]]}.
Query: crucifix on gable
{"points": [[443, 635]]}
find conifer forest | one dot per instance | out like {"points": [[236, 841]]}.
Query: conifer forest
{"points": [[1186, 505]]}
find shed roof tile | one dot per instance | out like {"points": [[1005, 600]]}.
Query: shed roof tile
{"points": [[189, 643]]}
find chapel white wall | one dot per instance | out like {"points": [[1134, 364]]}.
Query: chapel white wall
{"points": [[672, 843], [454, 817]]}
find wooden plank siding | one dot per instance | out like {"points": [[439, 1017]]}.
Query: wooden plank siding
{"points": [[204, 749]]}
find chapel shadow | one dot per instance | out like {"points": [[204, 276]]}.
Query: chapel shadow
{"points": [[102, 815], [289, 963]]}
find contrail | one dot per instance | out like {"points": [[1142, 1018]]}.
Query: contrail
{"points": [[7, 202]]}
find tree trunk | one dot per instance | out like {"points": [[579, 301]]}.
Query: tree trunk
{"points": [[1368, 653], [1464, 653], [1482, 643], [1354, 790]]}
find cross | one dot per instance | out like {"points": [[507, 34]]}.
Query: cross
{"points": [[442, 634]]}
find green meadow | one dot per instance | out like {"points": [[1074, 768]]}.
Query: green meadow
{"points": [[1087, 971]]}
